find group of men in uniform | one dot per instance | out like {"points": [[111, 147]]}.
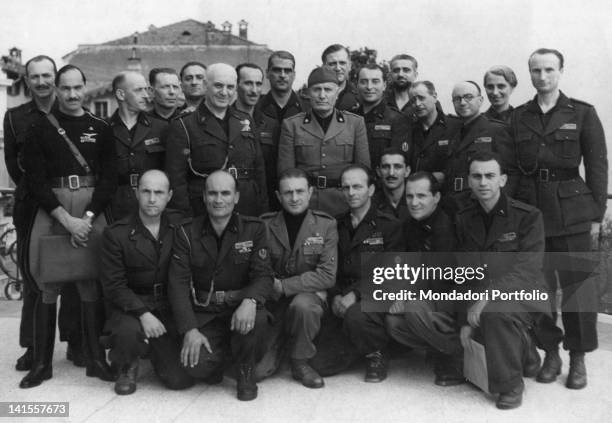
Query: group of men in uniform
{"points": [[196, 281]]}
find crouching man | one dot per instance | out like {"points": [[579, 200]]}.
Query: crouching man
{"points": [[136, 252]]}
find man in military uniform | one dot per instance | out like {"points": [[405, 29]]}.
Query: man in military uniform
{"points": [[279, 103], [54, 172], [193, 85], [338, 59], [553, 135], [476, 133], [138, 139], [166, 89], [493, 222], [425, 324], [403, 73], [250, 83], [40, 72], [135, 256], [323, 141], [213, 137], [392, 172], [219, 279], [303, 245], [431, 134], [363, 229], [383, 125]]}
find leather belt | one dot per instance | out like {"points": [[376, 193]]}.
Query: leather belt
{"points": [[323, 182], [73, 182], [241, 172], [130, 179], [157, 290], [558, 174], [216, 297]]}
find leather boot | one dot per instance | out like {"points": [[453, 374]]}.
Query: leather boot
{"points": [[376, 367], [25, 361], [75, 353], [449, 369], [301, 371], [126, 382], [577, 377], [44, 341], [92, 315], [511, 399], [531, 357], [551, 368], [247, 388]]}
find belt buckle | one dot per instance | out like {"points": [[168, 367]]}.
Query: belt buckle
{"points": [[74, 182], [158, 290], [321, 182], [233, 171], [134, 179], [458, 184], [219, 297], [544, 175]]}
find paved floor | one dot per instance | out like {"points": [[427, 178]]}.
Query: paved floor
{"points": [[407, 395]]}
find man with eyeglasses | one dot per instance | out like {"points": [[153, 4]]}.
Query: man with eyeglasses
{"points": [[475, 134], [279, 103], [219, 279]]}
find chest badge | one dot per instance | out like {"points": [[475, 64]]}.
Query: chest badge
{"points": [[88, 137], [570, 126], [244, 246], [507, 237], [152, 141], [246, 125], [482, 140]]}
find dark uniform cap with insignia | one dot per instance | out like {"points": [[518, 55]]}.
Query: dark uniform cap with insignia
{"points": [[320, 76]]}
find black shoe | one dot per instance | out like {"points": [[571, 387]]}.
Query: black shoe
{"points": [[577, 376], [512, 399], [531, 358], [449, 369], [25, 361], [75, 354], [551, 368], [126, 382], [44, 341], [247, 388], [301, 370], [376, 369], [92, 315]]}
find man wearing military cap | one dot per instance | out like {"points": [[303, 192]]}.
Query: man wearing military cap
{"points": [[323, 141]]}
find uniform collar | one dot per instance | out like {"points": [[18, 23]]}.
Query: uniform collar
{"points": [[562, 101], [500, 209], [232, 225], [377, 112]]}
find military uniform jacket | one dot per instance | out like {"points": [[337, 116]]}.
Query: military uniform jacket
{"points": [[516, 228], [479, 135], [242, 264], [504, 116], [383, 204], [47, 156], [377, 232], [133, 260], [348, 98], [549, 158], [430, 151], [196, 142], [311, 264]]}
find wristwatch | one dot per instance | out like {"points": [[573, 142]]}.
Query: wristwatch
{"points": [[89, 214]]}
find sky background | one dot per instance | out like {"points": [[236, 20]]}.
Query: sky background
{"points": [[452, 40]]}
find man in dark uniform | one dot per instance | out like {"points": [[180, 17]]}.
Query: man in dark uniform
{"points": [[50, 163], [166, 89], [392, 172], [248, 90], [363, 229], [193, 85], [323, 142], [303, 246], [475, 134], [493, 222], [40, 72], [403, 73], [135, 255], [429, 324], [219, 279], [385, 127], [553, 135], [279, 103], [213, 137], [138, 139], [338, 59], [431, 135]]}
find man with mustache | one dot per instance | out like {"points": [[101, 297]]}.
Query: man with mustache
{"points": [[403, 74], [193, 84], [250, 82], [39, 76], [392, 172], [166, 89], [337, 58], [138, 139]]}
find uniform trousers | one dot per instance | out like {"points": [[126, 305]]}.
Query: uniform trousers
{"points": [[366, 330]]}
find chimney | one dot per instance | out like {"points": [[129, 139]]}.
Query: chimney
{"points": [[242, 29], [210, 28], [227, 30], [135, 38], [134, 62]]}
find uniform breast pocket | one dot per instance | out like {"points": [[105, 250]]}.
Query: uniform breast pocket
{"points": [[307, 151], [207, 154], [155, 148], [346, 144], [527, 153], [266, 138], [241, 257], [567, 144], [507, 246]]}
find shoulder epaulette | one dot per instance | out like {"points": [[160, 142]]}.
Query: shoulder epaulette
{"points": [[250, 218], [268, 215], [520, 205], [385, 215], [96, 117], [347, 113], [300, 115], [583, 103], [322, 214]]}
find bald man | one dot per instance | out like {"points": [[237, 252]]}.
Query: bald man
{"points": [[134, 266], [138, 139], [213, 137], [475, 134]]}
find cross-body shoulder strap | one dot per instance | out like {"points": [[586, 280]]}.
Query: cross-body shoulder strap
{"points": [[75, 151]]}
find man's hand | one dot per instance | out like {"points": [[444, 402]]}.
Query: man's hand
{"points": [[465, 335], [595, 228], [243, 319], [79, 228], [278, 287], [151, 325], [398, 307], [475, 311], [192, 342], [342, 303]]}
